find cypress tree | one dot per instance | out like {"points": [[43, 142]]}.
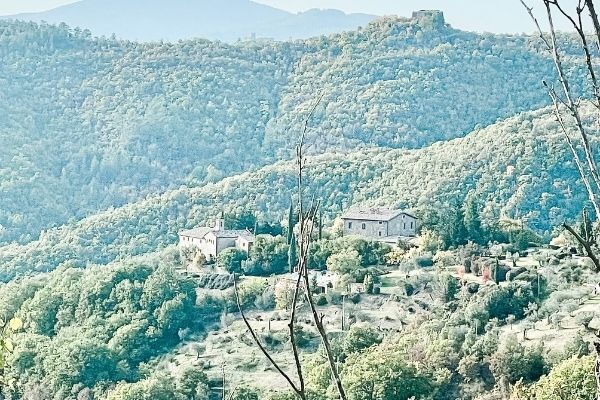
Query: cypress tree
{"points": [[586, 229], [320, 224], [292, 253], [454, 232], [472, 220], [291, 223]]}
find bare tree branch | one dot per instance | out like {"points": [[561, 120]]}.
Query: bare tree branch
{"points": [[572, 106], [306, 234], [586, 245], [261, 347], [594, 16], [578, 26], [582, 174], [537, 24]]}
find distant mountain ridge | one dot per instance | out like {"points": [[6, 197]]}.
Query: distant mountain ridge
{"points": [[155, 20]]}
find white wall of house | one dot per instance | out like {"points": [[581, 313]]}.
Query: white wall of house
{"points": [[187, 241], [208, 246], [211, 245], [243, 244]]}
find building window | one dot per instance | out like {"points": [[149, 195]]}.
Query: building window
{"points": [[379, 233], [349, 225], [405, 225], [364, 226], [380, 222], [411, 225]]}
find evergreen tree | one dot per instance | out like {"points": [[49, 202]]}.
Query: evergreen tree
{"points": [[320, 224], [292, 253], [369, 284], [291, 224], [586, 229], [451, 227], [244, 220], [472, 220]]}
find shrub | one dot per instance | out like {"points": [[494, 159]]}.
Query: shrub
{"points": [[231, 259], [250, 290], [302, 336], [321, 300], [334, 297], [584, 318], [244, 394], [215, 281], [502, 301], [266, 300], [573, 379], [424, 261], [347, 262], [360, 337], [354, 298], [524, 238], [513, 361]]}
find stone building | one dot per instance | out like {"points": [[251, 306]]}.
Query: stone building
{"points": [[380, 224], [213, 240], [435, 16]]}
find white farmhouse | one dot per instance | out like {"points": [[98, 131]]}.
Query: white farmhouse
{"points": [[213, 240], [380, 224]]}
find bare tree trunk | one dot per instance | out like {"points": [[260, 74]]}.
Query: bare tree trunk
{"points": [[597, 366], [573, 107], [306, 233], [586, 245], [307, 222]]}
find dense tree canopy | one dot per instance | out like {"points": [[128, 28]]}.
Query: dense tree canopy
{"points": [[83, 327], [97, 123], [513, 181]]}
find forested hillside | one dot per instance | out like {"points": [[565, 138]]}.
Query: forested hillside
{"points": [[98, 325], [528, 176], [88, 124]]}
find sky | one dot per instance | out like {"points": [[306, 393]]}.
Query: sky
{"points": [[505, 16]]}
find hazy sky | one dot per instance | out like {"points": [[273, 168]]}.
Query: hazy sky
{"points": [[477, 15]]}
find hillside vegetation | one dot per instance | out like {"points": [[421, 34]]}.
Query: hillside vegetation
{"points": [[527, 176], [97, 326], [90, 124]]}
